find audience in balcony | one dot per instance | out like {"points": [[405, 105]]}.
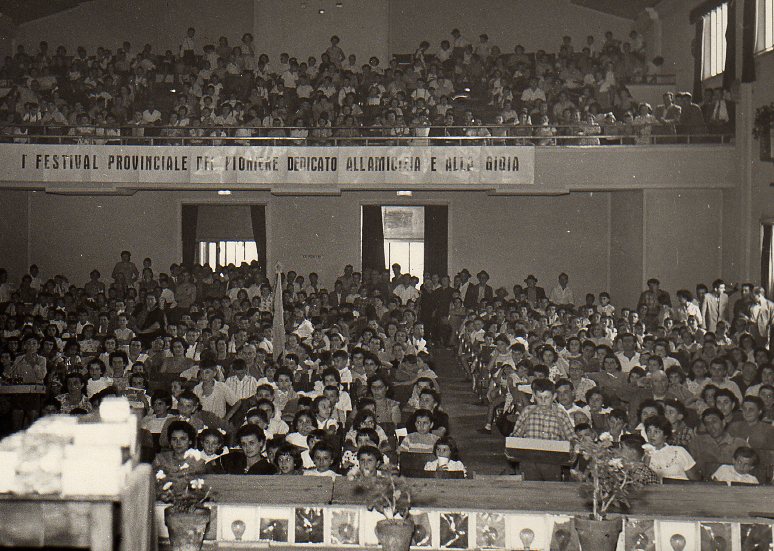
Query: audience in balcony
{"points": [[238, 93]]}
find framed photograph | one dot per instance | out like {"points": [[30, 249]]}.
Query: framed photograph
{"points": [[639, 535], [423, 530], [563, 534], [756, 537], [344, 527], [309, 525], [527, 532], [237, 522], [490, 531], [454, 530], [677, 536], [716, 536], [275, 524]]}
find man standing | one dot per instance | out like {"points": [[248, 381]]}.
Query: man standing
{"points": [[715, 307], [653, 298], [761, 317], [126, 267], [476, 293], [534, 293]]}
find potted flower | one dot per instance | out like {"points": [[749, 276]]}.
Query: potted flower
{"points": [[608, 482], [186, 517], [762, 130], [390, 495]]}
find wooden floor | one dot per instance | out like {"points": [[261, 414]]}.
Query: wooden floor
{"points": [[481, 453]]}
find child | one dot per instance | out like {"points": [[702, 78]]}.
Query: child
{"points": [[124, 335], [323, 455], [97, 380], [745, 461], [323, 411], [211, 443], [161, 402], [446, 457], [242, 384], [288, 460], [421, 441], [369, 461]]}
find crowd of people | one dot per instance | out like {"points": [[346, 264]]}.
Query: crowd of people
{"points": [[224, 93], [684, 387], [345, 383]]}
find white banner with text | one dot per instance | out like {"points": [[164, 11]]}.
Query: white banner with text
{"points": [[267, 166]]}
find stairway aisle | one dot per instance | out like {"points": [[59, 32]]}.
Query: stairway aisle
{"points": [[481, 453]]}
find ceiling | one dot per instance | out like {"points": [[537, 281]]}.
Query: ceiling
{"points": [[22, 11], [628, 9]]}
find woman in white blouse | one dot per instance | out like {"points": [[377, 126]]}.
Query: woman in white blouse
{"points": [[667, 461]]}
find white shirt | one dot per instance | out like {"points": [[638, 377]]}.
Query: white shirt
{"points": [[561, 296], [218, 400], [245, 388], [727, 473], [406, 293], [626, 363], [671, 462]]}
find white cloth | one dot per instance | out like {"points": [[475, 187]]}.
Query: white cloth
{"points": [[671, 462]]}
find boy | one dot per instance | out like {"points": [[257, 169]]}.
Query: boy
{"points": [[546, 420], [422, 440], [745, 461], [241, 384], [323, 456]]}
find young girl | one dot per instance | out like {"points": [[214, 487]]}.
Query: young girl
{"points": [[211, 443], [303, 425], [446, 457], [323, 412], [97, 380], [288, 460]]}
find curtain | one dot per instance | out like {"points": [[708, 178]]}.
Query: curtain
{"points": [[767, 261], [703, 9], [372, 238], [749, 30], [190, 218], [437, 239], [258, 217], [697, 60], [729, 70]]}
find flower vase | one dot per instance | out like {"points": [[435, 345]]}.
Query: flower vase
{"points": [[395, 534], [598, 535], [186, 529]]}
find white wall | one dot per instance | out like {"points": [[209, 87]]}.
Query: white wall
{"points": [[161, 23], [508, 236], [285, 26], [535, 24]]}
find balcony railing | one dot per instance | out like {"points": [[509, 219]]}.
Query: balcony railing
{"points": [[490, 135]]}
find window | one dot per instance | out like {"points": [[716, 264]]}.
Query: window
{"points": [[765, 34], [404, 238], [217, 254], [714, 41]]}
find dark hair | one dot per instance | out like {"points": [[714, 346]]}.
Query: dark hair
{"points": [[250, 429], [650, 403], [660, 422], [747, 453], [163, 395], [543, 385], [179, 425], [448, 441], [633, 442], [288, 450]]}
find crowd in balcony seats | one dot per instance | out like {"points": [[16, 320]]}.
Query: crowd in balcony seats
{"points": [[208, 93], [681, 385]]}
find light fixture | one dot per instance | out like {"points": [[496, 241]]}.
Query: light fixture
{"points": [[321, 11], [339, 4], [405, 193], [224, 192]]}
